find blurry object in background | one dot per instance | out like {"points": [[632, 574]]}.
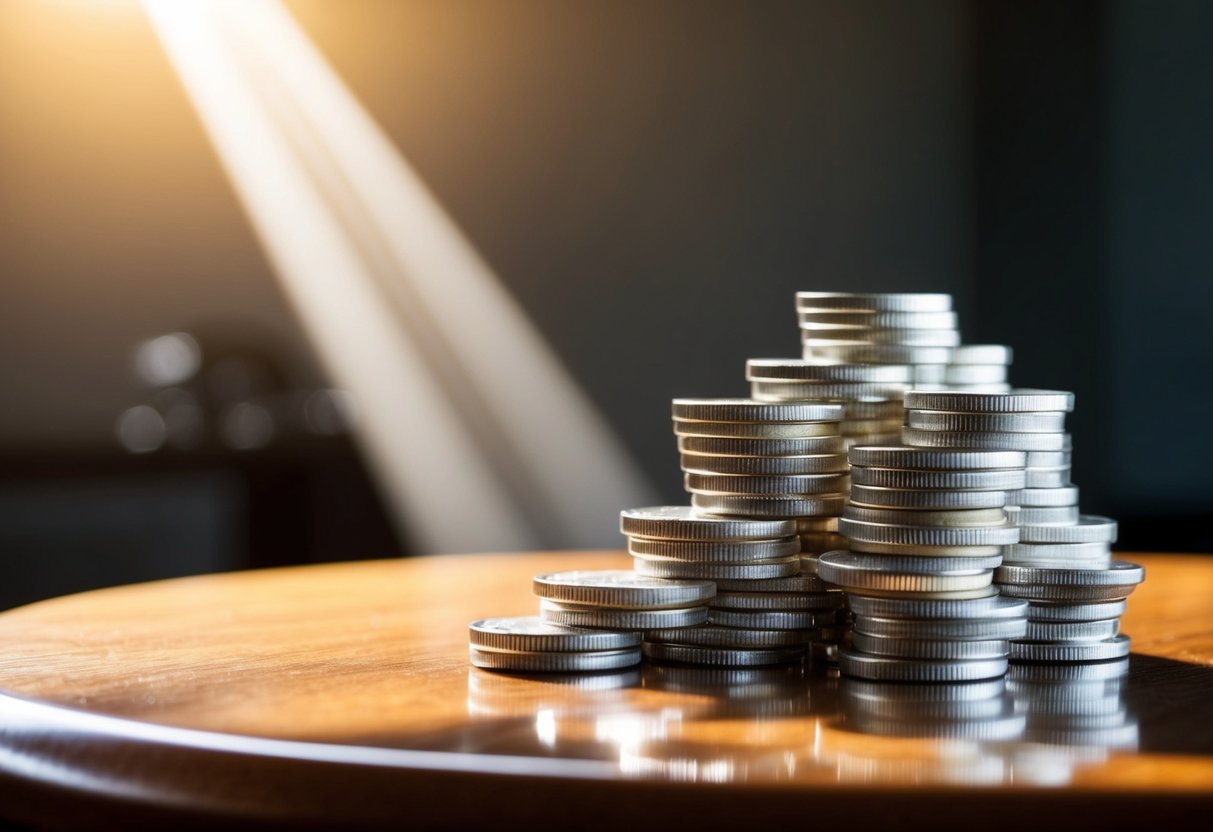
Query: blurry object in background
{"points": [[480, 437]]}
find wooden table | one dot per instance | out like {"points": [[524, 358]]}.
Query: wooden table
{"points": [[341, 695]]}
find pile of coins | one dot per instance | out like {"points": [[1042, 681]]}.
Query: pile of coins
{"points": [[763, 612], [1062, 563], [926, 530]]}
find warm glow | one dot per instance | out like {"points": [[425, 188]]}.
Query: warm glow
{"points": [[481, 438]]}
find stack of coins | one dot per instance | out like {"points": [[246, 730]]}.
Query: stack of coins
{"points": [[978, 368], [905, 328], [765, 459], [528, 644], [926, 530], [870, 393], [763, 611], [619, 599], [1062, 562]]}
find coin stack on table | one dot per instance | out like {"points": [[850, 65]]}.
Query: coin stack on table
{"points": [[978, 368], [926, 530], [763, 612], [1062, 563], [528, 644]]}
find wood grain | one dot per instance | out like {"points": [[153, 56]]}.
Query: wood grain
{"points": [[313, 693]]}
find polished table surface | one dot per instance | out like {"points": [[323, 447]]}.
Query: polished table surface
{"points": [[342, 695]]}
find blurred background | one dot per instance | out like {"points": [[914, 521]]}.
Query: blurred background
{"points": [[649, 183]]}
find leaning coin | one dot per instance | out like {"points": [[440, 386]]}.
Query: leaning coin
{"points": [[748, 410], [764, 466], [882, 668], [530, 634], [764, 619], [1089, 529], [1080, 651], [1004, 480], [730, 484], [621, 589], [1017, 401], [1072, 630], [720, 656], [556, 613], [675, 569], [772, 507], [553, 662], [989, 440], [684, 523]]}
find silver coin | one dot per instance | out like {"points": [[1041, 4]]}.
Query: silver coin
{"points": [[764, 465], [1016, 401], [929, 536], [553, 662], [912, 549], [943, 628], [817, 505], [711, 635], [801, 370], [720, 656], [789, 601], [940, 595], [879, 320], [1044, 497], [530, 634], [874, 409], [788, 486], [1079, 651], [991, 606], [825, 335], [931, 459], [968, 517], [721, 446], [982, 354], [880, 354], [757, 430], [748, 410], [804, 582], [974, 373], [713, 551], [990, 440], [861, 579], [1072, 630], [925, 498], [614, 619], [1076, 612], [1042, 516], [1047, 459], [620, 589], [948, 649], [783, 391], [1066, 593], [1049, 422], [684, 523], [764, 619], [843, 561], [1119, 573], [1011, 479], [677, 569], [1089, 529], [873, 302], [1055, 477], [1078, 553], [886, 669]]}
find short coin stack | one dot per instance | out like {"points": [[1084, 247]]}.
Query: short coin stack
{"points": [[528, 644], [763, 611], [619, 599], [1062, 563], [926, 530], [870, 393], [906, 328]]}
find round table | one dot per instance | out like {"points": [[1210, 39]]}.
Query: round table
{"points": [[341, 695]]}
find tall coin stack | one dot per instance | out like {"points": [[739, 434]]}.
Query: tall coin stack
{"points": [[926, 530], [769, 620], [906, 328], [1062, 563]]}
